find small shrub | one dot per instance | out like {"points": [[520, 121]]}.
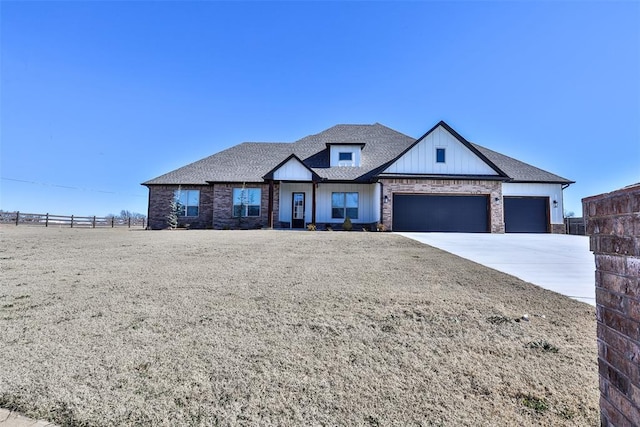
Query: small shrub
{"points": [[311, 227], [567, 413], [372, 421], [380, 227], [498, 320], [174, 210], [329, 228], [543, 345], [347, 225], [172, 218], [537, 404], [11, 402]]}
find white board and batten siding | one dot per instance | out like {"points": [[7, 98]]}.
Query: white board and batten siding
{"points": [[286, 194], [293, 170], [552, 191], [421, 158], [335, 151], [368, 201]]}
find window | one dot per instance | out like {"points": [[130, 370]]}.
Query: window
{"points": [[246, 202], [344, 205], [345, 157], [188, 202], [440, 155]]}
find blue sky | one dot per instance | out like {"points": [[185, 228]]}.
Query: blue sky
{"points": [[97, 97]]}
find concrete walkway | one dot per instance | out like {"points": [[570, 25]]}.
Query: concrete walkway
{"points": [[561, 263], [13, 419]]}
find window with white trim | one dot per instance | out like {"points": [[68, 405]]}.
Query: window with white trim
{"points": [[344, 205], [188, 202], [246, 202], [348, 156], [345, 158]]}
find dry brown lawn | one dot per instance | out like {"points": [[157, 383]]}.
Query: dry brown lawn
{"points": [[180, 328]]}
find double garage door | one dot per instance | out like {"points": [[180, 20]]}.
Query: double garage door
{"points": [[430, 212], [467, 213]]}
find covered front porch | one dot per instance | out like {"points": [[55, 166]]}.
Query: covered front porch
{"points": [[327, 204]]}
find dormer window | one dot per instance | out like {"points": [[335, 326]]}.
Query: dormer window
{"points": [[348, 157], [345, 159], [345, 154]]}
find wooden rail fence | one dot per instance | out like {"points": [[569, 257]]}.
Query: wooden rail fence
{"points": [[72, 221], [575, 225]]}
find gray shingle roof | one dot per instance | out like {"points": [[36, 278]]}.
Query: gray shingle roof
{"points": [[520, 171], [251, 161], [246, 162]]}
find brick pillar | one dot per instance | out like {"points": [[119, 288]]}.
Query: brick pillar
{"points": [[613, 224]]}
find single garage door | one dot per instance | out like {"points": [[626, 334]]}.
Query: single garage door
{"points": [[429, 212], [526, 214]]}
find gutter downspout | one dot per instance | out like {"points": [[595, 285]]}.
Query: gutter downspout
{"points": [[381, 202], [313, 202], [270, 206], [148, 208]]}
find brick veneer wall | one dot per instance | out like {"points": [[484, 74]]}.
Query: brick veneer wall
{"points": [[493, 189], [160, 197], [613, 224], [216, 207], [223, 207]]}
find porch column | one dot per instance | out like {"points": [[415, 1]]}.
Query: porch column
{"points": [[313, 202], [270, 207]]}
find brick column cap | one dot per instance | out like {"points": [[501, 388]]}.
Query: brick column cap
{"points": [[629, 189]]}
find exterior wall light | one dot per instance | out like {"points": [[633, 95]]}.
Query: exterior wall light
{"points": [[497, 200], [386, 199], [555, 203]]}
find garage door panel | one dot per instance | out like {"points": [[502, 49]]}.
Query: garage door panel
{"points": [[419, 212], [526, 214]]}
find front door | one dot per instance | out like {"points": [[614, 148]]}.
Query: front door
{"points": [[297, 211]]}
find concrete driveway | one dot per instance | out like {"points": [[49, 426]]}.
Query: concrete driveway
{"points": [[561, 263]]}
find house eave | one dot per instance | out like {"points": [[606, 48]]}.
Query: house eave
{"points": [[360, 144], [237, 182], [295, 181], [565, 183], [443, 177], [157, 184]]}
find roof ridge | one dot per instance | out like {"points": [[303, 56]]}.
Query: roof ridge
{"points": [[262, 142]]}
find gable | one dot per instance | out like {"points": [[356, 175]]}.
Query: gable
{"points": [[459, 159], [292, 170]]}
